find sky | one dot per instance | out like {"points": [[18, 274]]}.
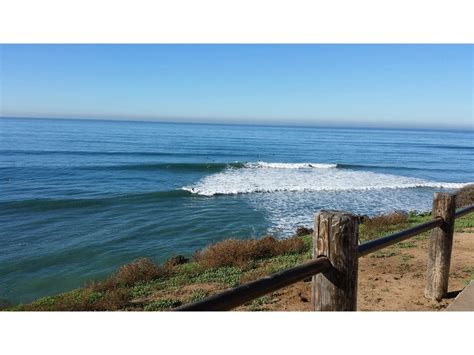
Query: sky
{"points": [[330, 85]]}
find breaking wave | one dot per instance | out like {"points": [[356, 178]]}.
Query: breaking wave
{"points": [[262, 177], [262, 164]]}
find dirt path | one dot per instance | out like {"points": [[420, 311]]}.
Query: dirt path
{"points": [[390, 280]]}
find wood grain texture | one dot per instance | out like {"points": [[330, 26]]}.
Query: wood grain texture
{"points": [[336, 237], [441, 244]]}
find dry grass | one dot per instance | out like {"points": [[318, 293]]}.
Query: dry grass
{"points": [[234, 252], [140, 270], [380, 222], [465, 196]]}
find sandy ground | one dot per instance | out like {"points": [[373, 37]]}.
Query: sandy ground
{"points": [[391, 280]]}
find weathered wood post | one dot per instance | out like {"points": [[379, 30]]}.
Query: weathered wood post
{"points": [[336, 236], [441, 244]]}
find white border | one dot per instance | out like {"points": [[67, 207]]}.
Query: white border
{"points": [[235, 333], [242, 21]]}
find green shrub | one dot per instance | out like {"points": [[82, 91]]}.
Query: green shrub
{"points": [[163, 304], [139, 270]]}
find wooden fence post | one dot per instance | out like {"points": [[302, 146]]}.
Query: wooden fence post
{"points": [[441, 243], [336, 237]]}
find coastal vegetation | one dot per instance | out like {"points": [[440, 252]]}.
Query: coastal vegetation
{"points": [[148, 286]]}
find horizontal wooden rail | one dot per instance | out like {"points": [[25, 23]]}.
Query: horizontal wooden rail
{"points": [[240, 295], [377, 244], [464, 211]]}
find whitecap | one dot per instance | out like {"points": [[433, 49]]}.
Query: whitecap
{"points": [[261, 177], [262, 164]]}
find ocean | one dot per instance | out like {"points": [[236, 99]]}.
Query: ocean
{"points": [[79, 198]]}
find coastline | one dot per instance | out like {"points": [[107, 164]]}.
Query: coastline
{"points": [[145, 286]]}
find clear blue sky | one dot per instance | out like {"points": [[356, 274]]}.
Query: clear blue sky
{"points": [[368, 85]]}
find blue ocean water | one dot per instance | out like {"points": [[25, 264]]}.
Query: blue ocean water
{"points": [[78, 198]]}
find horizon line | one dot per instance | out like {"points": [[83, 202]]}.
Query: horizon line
{"points": [[341, 125]]}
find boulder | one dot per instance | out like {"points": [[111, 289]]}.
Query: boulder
{"points": [[176, 260], [301, 230]]}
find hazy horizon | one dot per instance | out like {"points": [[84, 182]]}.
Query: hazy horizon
{"points": [[185, 121], [366, 86]]}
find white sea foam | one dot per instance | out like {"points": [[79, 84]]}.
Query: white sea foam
{"points": [[262, 164], [275, 177]]}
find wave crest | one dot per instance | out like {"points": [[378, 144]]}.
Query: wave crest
{"points": [[262, 164], [263, 177]]}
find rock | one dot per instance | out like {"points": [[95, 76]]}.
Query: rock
{"points": [[303, 298], [362, 218], [175, 260], [301, 230]]}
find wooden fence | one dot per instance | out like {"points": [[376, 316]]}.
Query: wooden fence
{"points": [[334, 266]]}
